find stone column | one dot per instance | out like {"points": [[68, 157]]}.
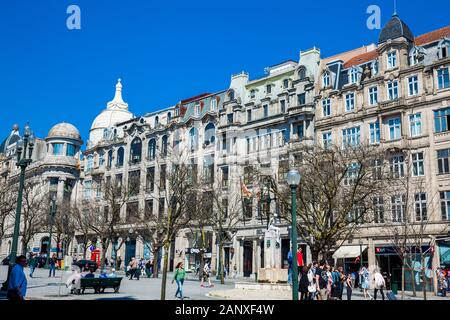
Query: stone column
{"points": [[241, 258], [60, 190], [371, 253]]}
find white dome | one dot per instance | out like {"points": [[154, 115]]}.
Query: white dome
{"points": [[64, 130]]}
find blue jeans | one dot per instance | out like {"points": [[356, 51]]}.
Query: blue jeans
{"points": [[180, 288], [290, 275], [52, 268], [32, 270]]}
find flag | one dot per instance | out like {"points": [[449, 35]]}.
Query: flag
{"points": [[245, 192], [257, 192]]}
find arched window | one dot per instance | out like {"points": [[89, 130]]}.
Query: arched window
{"points": [[164, 146], [444, 48], [110, 158], [169, 117], [120, 157], [210, 133], [326, 79], [302, 73], [136, 150], [374, 67], [193, 139], [152, 149], [90, 162], [105, 134], [101, 158], [231, 95], [353, 75], [156, 121]]}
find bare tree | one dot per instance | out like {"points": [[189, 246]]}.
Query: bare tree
{"points": [[8, 198], [84, 217]]}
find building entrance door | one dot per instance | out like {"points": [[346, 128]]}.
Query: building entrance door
{"points": [[130, 251], [248, 258]]}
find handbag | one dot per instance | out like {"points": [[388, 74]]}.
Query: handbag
{"points": [[311, 288]]}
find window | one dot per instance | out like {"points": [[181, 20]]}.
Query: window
{"points": [[443, 78], [415, 124], [349, 101], [193, 139], [87, 189], [285, 83], [326, 80], [101, 158], [392, 59], [162, 177], [231, 95], [351, 137], [225, 178], [120, 157], [58, 149], [378, 209], [351, 174], [252, 93], [417, 164], [326, 107], [148, 208], [197, 109], [169, 117], [398, 208], [90, 162], [373, 96], [269, 88], [374, 131], [353, 75], [374, 67], [249, 115], [210, 133], [301, 98], [326, 140], [225, 208], [152, 149], [134, 182], [164, 144], [248, 207], [213, 104], [420, 204], [443, 157], [392, 90], [266, 110], [302, 73], [224, 141], [161, 205], [444, 48], [150, 179], [283, 106], [442, 120], [413, 86], [71, 150], [377, 169], [445, 205], [301, 131], [156, 121], [397, 164], [110, 158], [208, 169], [394, 128], [136, 150], [230, 118]]}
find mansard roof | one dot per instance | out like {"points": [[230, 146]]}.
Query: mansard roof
{"points": [[395, 28]]}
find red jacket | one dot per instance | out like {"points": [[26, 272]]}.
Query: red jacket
{"points": [[299, 258]]}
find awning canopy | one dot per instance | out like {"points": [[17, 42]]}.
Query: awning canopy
{"points": [[348, 252]]}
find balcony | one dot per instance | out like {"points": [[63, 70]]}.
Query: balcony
{"points": [[391, 104], [98, 170], [307, 108]]}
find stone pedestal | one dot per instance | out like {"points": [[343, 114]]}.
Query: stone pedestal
{"points": [[272, 273]]}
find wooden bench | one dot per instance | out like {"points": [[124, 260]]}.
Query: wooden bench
{"points": [[100, 284]]}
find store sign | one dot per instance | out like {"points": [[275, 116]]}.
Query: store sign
{"points": [[194, 251], [36, 249], [394, 251]]}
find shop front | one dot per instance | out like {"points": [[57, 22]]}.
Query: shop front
{"points": [[193, 258], [351, 258]]}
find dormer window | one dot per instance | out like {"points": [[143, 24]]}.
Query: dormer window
{"points": [[392, 59], [285, 83], [252, 94], [353, 75], [326, 80], [213, 104], [156, 121], [444, 49], [268, 88], [169, 117], [197, 109], [374, 67], [231, 95]]}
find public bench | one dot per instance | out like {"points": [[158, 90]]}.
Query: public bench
{"points": [[100, 284]]}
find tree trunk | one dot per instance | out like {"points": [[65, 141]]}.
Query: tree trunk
{"points": [[103, 255], [424, 280], [165, 267], [403, 278], [155, 263], [221, 263]]}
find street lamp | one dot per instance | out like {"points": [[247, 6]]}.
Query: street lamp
{"points": [[52, 218], [23, 161], [293, 180], [360, 261]]}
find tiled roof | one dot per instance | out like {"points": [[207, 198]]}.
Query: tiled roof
{"points": [[432, 36], [362, 58], [195, 98]]}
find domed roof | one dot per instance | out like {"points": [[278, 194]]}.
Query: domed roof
{"points": [[64, 130], [13, 137], [108, 118], [395, 28]]}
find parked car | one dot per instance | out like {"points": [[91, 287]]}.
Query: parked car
{"points": [[86, 265]]}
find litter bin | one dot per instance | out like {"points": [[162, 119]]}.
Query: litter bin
{"points": [[394, 288]]}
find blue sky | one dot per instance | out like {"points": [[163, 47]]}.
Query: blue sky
{"points": [[165, 51]]}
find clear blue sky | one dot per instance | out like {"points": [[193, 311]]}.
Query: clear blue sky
{"points": [[165, 51]]}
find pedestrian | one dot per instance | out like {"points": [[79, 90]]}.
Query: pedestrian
{"points": [[234, 271], [32, 264], [311, 282], [17, 283], [300, 261], [119, 263], [179, 276], [106, 262], [148, 268], [442, 283], [330, 283], [365, 282], [134, 269], [73, 282], [289, 259], [380, 284], [206, 276], [340, 282], [304, 283], [321, 281], [349, 282], [53, 261], [142, 267]]}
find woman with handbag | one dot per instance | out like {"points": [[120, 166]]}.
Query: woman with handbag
{"points": [[303, 284]]}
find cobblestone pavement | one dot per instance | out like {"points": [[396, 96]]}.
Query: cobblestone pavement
{"points": [[42, 287]]}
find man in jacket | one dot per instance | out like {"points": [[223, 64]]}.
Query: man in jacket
{"points": [[17, 283], [134, 269]]}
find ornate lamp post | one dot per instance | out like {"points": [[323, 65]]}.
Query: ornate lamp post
{"points": [[23, 161], [52, 219], [293, 180]]}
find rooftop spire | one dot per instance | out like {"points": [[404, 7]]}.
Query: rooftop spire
{"points": [[118, 100], [395, 9]]}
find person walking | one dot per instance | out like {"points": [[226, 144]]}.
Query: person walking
{"points": [[304, 284], [148, 268], [119, 263], [17, 283], [341, 281], [330, 289], [365, 282], [179, 276], [32, 264], [311, 282], [289, 259], [380, 284], [205, 276], [300, 261], [134, 269], [52, 265], [349, 283], [321, 281]]}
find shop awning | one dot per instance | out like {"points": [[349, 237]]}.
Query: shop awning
{"points": [[348, 252]]}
